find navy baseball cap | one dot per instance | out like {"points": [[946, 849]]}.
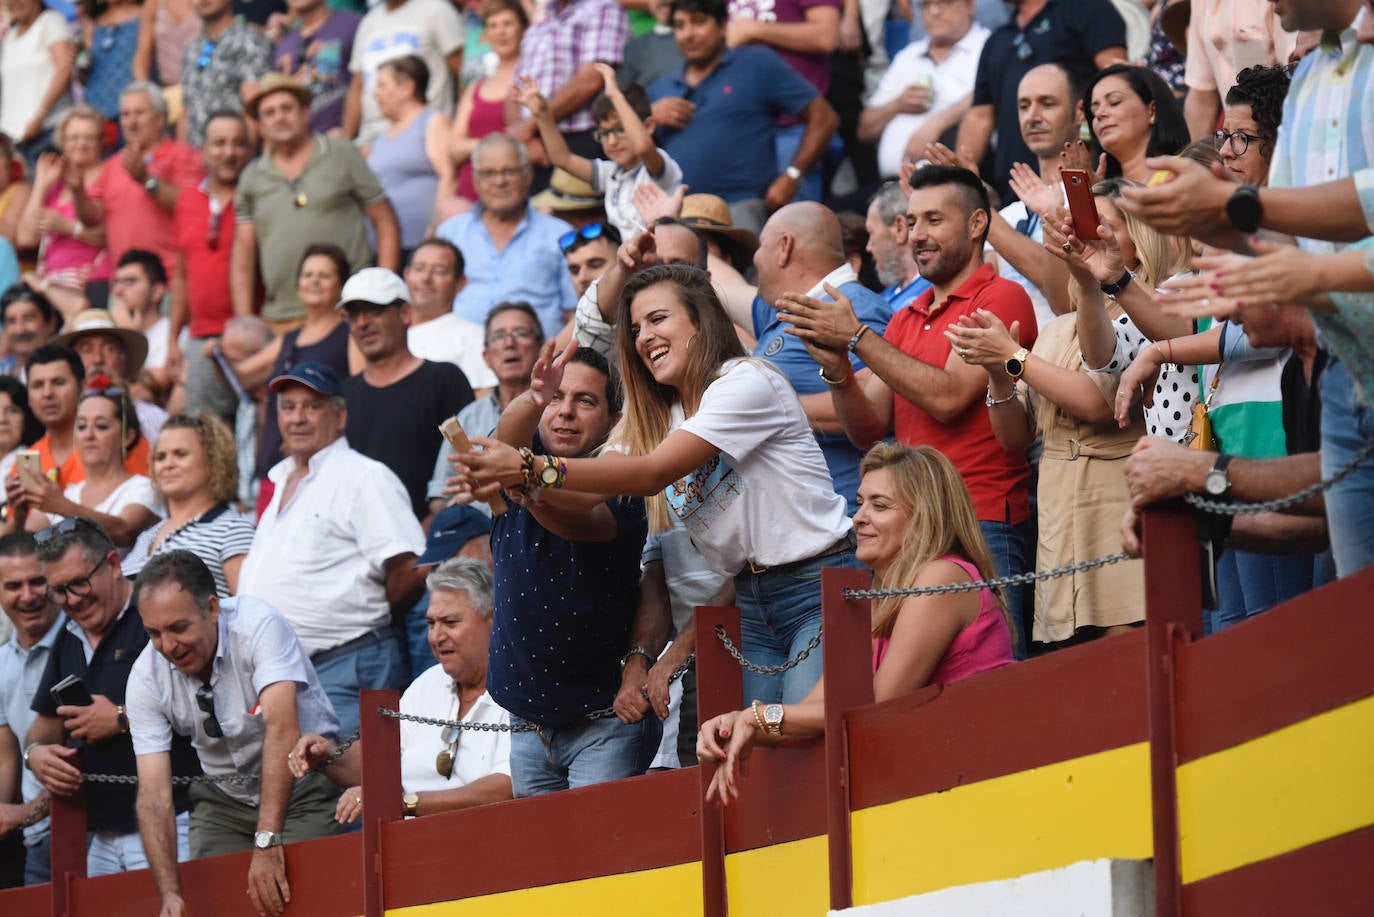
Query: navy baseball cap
{"points": [[451, 528], [317, 377]]}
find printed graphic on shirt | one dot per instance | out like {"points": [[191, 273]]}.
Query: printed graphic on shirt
{"points": [[701, 497]]}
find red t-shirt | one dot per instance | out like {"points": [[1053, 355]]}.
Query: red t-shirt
{"points": [[996, 478], [206, 255], [133, 219]]}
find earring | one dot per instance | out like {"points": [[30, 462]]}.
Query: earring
{"points": [[692, 339]]}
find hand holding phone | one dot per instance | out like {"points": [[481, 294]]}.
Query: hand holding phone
{"points": [[71, 692], [1082, 210], [28, 460], [453, 431]]}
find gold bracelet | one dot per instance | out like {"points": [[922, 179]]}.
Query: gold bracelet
{"points": [[757, 717]]}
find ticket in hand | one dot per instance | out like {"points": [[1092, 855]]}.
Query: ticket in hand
{"points": [[458, 439]]}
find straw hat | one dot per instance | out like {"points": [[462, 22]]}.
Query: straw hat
{"points": [[566, 193], [1174, 22], [710, 215], [274, 83], [99, 321]]}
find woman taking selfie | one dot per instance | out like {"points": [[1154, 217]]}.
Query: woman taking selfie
{"points": [[916, 527], [721, 441]]}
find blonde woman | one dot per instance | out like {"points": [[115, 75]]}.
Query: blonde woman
{"points": [[916, 527]]}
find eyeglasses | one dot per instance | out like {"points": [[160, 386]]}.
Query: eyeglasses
{"points": [[1023, 48], [518, 335], [112, 391], [601, 135], [586, 233], [1239, 140], [493, 174], [928, 5], [443, 762], [205, 700], [207, 52], [77, 588]]}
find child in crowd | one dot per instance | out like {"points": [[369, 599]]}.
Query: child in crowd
{"points": [[625, 128]]}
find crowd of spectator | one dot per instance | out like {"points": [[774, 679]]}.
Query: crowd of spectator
{"points": [[722, 293]]}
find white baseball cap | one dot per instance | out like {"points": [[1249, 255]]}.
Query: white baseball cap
{"points": [[375, 285]]}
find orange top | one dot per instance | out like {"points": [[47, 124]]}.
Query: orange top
{"points": [[72, 470]]}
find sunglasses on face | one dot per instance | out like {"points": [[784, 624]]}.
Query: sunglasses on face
{"points": [[586, 233]]}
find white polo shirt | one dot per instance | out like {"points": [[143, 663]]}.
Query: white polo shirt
{"points": [[321, 561], [950, 80], [478, 754], [450, 338]]}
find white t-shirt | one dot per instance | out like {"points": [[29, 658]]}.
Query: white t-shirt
{"points": [[450, 338], [137, 489], [949, 81], [26, 68], [158, 334], [768, 496], [479, 753], [429, 29], [619, 187]]}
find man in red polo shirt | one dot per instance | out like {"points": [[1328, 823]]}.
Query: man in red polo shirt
{"points": [[204, 221], [138, 187], [914, 383]]}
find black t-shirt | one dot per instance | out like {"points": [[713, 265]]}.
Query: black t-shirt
{"points": [[110, 806], [399, 425], [1069, 32], [1302, 404]]}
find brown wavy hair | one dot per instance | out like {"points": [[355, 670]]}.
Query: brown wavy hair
{"points": [[220, 455]]}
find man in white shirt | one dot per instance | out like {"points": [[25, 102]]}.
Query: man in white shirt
{"points": [[927, 88], [336, 547], [434, 276]]}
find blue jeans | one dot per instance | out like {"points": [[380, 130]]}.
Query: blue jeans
{"points": [[786, 140], [779, 613], [1248, 584], [108, 854], [1346, 426], [1007, 545], [588, 752], [374, 664], [38, 862]]}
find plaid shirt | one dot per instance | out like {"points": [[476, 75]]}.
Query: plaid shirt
{"points": [[565, 40]]}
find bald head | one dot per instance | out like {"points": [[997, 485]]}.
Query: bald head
{"points": [[814, 229], [799, 245]]}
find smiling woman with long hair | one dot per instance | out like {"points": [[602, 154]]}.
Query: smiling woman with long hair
{"points": [[720, 441]]}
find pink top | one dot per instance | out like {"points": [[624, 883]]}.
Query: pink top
{"points": [[485, 118], [984, 644], [63, 253]]}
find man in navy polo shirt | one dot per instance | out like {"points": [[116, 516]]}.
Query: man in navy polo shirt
{"points": [[99, 643], [717, 117], [567, 586], [1083, 35]]}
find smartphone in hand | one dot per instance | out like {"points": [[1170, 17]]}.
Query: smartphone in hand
{"points": [[1082, 210], [71, 692]]}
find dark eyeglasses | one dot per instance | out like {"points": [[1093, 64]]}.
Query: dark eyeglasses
{"points": [[207, 51], [1023, 48], [77, 588], [1239, 140], [205, 700], [586, 233]]}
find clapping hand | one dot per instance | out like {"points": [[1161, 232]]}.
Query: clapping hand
{"points": [[981, 339]]}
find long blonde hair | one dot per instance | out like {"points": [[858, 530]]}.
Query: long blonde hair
{"points": [[648, 402], [1161, 256], [940, 521]]}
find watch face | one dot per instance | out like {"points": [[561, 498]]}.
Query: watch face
{"points": [[548, 475], [1215, 483], [1014, 367], [772, 714]]}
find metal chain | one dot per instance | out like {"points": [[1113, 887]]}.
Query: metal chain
{"points": [[1273, 506], [792, 663], [1019, 579], [176, 781], [341, 748]]}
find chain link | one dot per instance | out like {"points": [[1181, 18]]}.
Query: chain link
{"points": [[176, 781], [792, 663], [1273, 506], [341, 748], [1019, 579]]}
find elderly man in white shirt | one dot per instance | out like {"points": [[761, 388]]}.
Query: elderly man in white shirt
{"points": [[442, 768], [335, 549], [927, 88]]}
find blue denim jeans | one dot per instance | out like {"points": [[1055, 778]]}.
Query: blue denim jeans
{"points": [[566, 757], [1346, 426], [38, 862], [1249, 583], [779, 613], [107, 854], [375, 664], [1007, 544]]}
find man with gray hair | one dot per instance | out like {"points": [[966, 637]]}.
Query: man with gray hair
{"points": [[887, 243], [442, 768], [231, 676], [511, 250], [137, 190]]}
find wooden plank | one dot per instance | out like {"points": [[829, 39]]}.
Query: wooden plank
{"points": [[381, 750]]}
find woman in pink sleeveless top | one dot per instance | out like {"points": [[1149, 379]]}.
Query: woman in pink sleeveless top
{"points": [[482, 109], [915, 527]]}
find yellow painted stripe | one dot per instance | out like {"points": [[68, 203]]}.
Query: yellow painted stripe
{"points": [[791, 878], [1047, 817], [673, 891], [1286, 790]]}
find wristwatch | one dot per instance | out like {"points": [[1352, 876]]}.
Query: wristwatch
{"points": [[410, 804], [794, 173], [772, 719], [548, 475], [1114, 288], [152, 184], [638, 651], [1017, 364], [1243, 208], [266, 840], [1218, 482]]}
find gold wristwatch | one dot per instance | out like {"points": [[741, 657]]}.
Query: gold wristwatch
{"points": [[410, 804], [1017, 364]]}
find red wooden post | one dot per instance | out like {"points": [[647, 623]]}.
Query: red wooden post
{"points": [[68, 840], [848, 648], [720, 685], [1173, 611], [381, 741]]}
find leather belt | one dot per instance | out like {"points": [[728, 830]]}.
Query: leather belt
{"points": [[847, 543]]}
